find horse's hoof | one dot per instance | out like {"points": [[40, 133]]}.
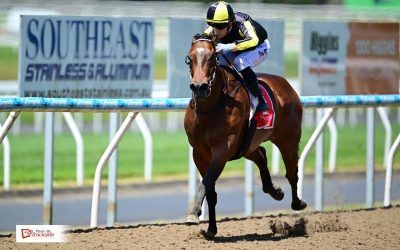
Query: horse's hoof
{"points": [[192, 220], [276, 193], [299, 205], [208, 234]]}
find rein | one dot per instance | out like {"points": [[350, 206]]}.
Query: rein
{"points": [[216, 107]]}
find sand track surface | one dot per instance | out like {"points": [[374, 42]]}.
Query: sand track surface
{"points": [[358, 229]]}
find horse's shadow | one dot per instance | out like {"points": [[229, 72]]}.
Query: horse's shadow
{"points": [[280, 231], [253, 237]]}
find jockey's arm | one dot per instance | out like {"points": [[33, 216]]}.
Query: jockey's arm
{"points": [[250, 38]]}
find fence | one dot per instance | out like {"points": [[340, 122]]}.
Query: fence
{"points": [[134, 106]]}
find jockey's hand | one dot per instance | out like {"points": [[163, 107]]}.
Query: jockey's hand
{"points": [[225, 47]]}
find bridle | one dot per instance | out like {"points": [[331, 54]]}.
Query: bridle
{"points": [[210, 80]]}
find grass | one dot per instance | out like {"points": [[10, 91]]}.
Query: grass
{"points": [[291, 64], [9, 64], [9, 69], [160, 64], [170, 149], [170, 155]]}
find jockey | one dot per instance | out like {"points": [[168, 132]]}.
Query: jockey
{"points": [[242, 41]]}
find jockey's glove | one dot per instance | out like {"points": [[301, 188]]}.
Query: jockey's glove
{"points": [[225, 47]]}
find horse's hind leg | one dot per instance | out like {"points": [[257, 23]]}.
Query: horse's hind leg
{"points": [[259, 157], [201, 164], [193, 217], [290, 157]]}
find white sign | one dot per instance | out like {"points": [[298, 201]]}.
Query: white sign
{"points": [[86, 57], [40, 233], [323, 65], [181, 32], [275, 62], [351, 58]]}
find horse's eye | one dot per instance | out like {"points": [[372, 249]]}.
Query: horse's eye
{"points": [[187, 60], [213, 58]]}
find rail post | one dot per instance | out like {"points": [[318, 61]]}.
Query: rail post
{"points": [[48, 169], [370, 144], [99, 169], [308, 148], [389, 167]]}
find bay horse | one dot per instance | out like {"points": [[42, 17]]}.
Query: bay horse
{"points": [[216, 121]]}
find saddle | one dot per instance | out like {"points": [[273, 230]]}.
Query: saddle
{"points": [[260, 120]]}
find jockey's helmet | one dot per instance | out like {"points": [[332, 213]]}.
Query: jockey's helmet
{"points": [[220, 12]]}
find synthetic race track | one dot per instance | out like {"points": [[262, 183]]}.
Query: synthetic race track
{"points": [[167, 201], [363, 229]]}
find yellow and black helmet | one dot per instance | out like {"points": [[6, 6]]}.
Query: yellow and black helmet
{"points": [[220, 12]]}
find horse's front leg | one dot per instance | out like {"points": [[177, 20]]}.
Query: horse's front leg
{"points": [[209, 180]]}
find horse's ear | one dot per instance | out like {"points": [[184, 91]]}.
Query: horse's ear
{"points": [[196, 37]]}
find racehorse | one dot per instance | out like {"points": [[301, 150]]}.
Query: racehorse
{"points": [[217, 119]]}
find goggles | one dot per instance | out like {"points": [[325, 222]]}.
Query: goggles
{"points": [[219, 26]]}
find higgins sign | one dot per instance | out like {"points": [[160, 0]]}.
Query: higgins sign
{"points": [[350, 58], [86, 57]]}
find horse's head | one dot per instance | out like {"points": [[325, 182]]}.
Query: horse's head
{"points": [[202, 60]]}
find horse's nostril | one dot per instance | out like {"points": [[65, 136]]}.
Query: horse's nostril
{"points": [[200, 89], [204, 86], [193, 87]]}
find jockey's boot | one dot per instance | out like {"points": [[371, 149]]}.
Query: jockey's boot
{"points": [[252, 84]]}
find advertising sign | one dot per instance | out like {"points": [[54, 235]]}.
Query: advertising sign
{"points": [[324, 58], [373, 62], [275, 62], [349, 58], [86, 57], [181, 32]]}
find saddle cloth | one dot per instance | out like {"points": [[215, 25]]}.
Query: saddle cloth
{"points": [[262, 120], [258, 120], [265, 119]]}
